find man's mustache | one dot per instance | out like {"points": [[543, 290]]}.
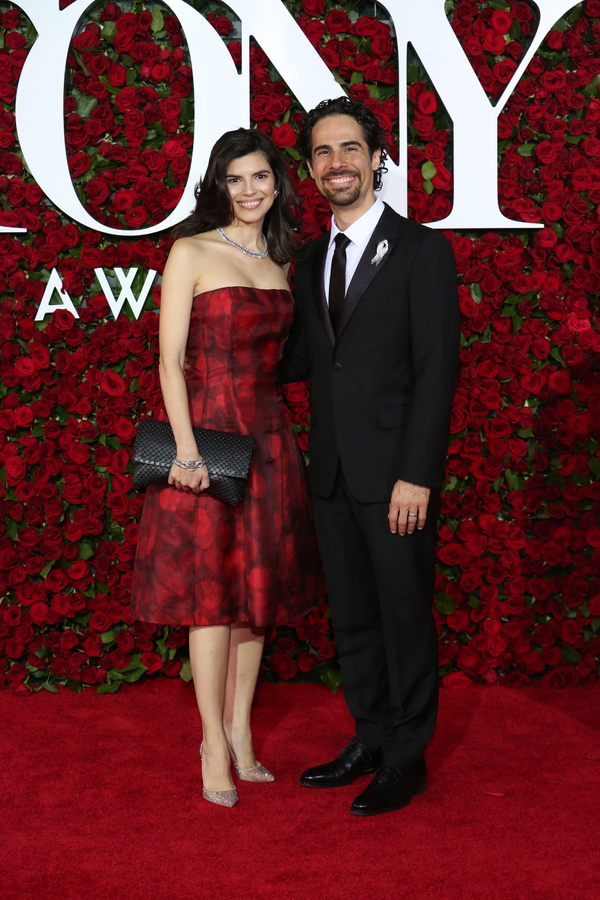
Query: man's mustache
{"points": [[340, 174]]}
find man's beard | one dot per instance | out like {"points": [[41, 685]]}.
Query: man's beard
{"points": [[342, 196]]}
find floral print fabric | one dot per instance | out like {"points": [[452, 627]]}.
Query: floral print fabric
{"points": [[200, 561]]}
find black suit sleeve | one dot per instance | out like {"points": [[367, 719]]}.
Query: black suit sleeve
{"points": [[435, 339], [295, 363]]}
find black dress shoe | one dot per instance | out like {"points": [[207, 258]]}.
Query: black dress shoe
{"points": [[391, 789], [354, 760]]}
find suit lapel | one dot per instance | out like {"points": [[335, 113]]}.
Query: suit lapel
{"points": [[318, 288], [366, 271]]}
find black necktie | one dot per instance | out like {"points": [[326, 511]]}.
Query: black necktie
{"points": [[337, 280]]}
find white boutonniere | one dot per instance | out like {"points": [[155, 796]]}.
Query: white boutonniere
{"points": [[382, 249]]}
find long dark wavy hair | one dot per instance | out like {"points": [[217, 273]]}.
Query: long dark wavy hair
{"points": [[343, 106], [214, 208]]}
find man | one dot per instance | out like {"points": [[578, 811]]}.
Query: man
{"points": [[377, 332]]}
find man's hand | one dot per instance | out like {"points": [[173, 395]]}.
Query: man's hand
{"points": [[408, 507]]}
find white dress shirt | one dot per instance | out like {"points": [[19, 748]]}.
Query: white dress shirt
{"points": [[359, 233]]}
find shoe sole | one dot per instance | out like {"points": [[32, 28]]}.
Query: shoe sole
{"points": [[380, 812], [311, 784]]}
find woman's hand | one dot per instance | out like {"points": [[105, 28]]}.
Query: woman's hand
{"points": [[185, 480]]}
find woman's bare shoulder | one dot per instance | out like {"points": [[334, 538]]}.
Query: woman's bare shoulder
{"points": [[194, 244]]}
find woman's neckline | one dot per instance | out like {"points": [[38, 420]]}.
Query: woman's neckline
{"points": [[240, 287]]}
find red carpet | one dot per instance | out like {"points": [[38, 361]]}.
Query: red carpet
{"points": [[101, 801]]}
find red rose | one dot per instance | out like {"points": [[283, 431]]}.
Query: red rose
{"points": [[337, 20], [367, 26], [284, 135], [505, 70], [306, 661], [313, 7], [172, 668], [152, 661], [296, 392], [112, 383], [12, 18], [39, 612], [501, 21], [282, 666], [16, 470], [427, 102], [17, 673]]}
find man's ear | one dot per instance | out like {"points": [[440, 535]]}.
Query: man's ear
{"points": [[376, 160], [310, 169]]}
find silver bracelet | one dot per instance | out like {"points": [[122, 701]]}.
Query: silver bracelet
{"points": [[190, 464]]}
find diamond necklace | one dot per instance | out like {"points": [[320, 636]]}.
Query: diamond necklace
{"points": [[255, 254]]}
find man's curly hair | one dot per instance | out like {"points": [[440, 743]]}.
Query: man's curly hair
{"points": [[343, 106]]}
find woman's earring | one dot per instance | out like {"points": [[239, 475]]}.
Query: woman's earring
{"points": [[276, 192]]}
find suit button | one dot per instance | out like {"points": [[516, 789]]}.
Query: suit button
{"points": [[338, 367]]}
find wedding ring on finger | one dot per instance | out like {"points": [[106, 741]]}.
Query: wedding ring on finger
{"points": [[414, 515]]}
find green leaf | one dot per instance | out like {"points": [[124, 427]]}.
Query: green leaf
{"points": [[52, 689], [158, 22], [570, 654], [294, 153], [132, 677], [109, 29], [332, 677], [414, 73], [86, 551], [445, 604], [107, 637], [526, 149], [596, 624], [515, 482], [83, 68], [111, 88], [428, 187], [115, 675], [185, 672], [109, 688], [85, 103], [594, 464], [473, 601], [428, 170], [357, 78], [30, 34], [515, 30], [12, 530]]}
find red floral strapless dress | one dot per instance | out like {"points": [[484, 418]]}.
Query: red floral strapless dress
{"points": [[200, 561]]}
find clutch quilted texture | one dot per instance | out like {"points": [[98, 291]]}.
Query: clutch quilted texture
{"points": [[227, 458]]}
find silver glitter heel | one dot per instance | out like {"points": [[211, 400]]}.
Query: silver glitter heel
{"points": [[255, 773], [221, 798]]}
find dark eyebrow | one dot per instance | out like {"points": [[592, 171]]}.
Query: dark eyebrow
{"points": [[261, 172], [342, 144]]}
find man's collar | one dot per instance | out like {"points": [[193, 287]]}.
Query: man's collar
{"points": [[360, 230]]}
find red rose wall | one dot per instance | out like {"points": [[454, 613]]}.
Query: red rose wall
{"points": [[518, 594]]}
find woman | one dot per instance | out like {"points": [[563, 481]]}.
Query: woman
{"points": [[229, 572]]}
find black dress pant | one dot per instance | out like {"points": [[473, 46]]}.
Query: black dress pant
{"points": [[381, 588]]}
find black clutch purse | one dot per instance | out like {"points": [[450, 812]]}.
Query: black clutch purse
{"points": [[227, 458]]}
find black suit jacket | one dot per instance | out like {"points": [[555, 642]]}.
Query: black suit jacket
{"points": [[381, 392]]}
